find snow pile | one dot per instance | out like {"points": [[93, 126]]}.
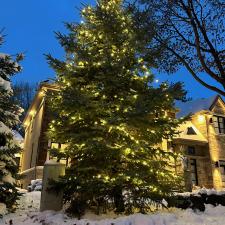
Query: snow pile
{"points": [[201, 191], [212, 216], [36, 185], [3, 209], [28, 203], [28, 214]]}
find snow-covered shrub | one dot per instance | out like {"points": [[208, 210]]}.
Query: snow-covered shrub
{"points": [[36, 185], [197, 199], [9, 119]]}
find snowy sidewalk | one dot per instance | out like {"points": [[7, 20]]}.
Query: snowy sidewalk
{"points": [[27, 214]]}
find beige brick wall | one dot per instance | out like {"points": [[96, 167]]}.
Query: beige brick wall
{"points": [[200, 121], [216, 141], [216, 144], [204, 171]]}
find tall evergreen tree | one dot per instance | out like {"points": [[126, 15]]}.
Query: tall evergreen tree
{"points": [[110, 115], [9, 118]]}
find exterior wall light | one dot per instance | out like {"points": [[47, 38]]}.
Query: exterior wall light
{"points": [[201, 118]]}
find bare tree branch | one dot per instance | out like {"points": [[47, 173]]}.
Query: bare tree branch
{"points": [[192, 33]]}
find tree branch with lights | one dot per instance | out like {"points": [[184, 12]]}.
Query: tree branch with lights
{"points": [[111, 116]]}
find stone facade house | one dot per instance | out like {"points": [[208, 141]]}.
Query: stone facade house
{"points": [[201, 139]]}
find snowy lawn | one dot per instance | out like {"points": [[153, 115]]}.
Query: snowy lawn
{"points": [[27, 214]]}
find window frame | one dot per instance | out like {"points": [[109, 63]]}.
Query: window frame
{"points": [[222, 170], [219, 125], [194, 171]]}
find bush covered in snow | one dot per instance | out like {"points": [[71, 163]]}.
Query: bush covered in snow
{"points": [[197, 199], [36, 185], [9, 119]]}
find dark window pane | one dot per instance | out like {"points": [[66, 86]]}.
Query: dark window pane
{"points": [[194, 176], [191, 150], [222, 130]]}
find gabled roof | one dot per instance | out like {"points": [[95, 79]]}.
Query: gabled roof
{"points": [[185, 136], [192, 107]]}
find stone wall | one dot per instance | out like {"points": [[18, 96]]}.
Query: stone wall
{"points": [[216, 144], [203, 163], [200, 121]]}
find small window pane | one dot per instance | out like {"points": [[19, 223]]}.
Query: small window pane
{"points": [[220, 119]]}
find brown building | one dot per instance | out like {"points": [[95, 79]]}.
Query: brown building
{"points": [[201, 139]]}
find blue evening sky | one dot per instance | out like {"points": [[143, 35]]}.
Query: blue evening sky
{"points": [[30, 25]]}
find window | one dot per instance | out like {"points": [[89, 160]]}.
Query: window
{"points": [[222, 170], [219, 124], [194, 176], [191, 150], [191, 131]]}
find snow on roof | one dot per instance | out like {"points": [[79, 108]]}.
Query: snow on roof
{"points": [[191, 107]]}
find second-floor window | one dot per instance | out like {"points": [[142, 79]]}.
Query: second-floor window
{"points": [[191, 150], [219, 124]]}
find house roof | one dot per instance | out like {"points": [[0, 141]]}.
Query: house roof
{"points": [[192, 107]]}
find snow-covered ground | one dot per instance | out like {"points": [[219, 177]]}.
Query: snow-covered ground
{"points": [[27, 214]]}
